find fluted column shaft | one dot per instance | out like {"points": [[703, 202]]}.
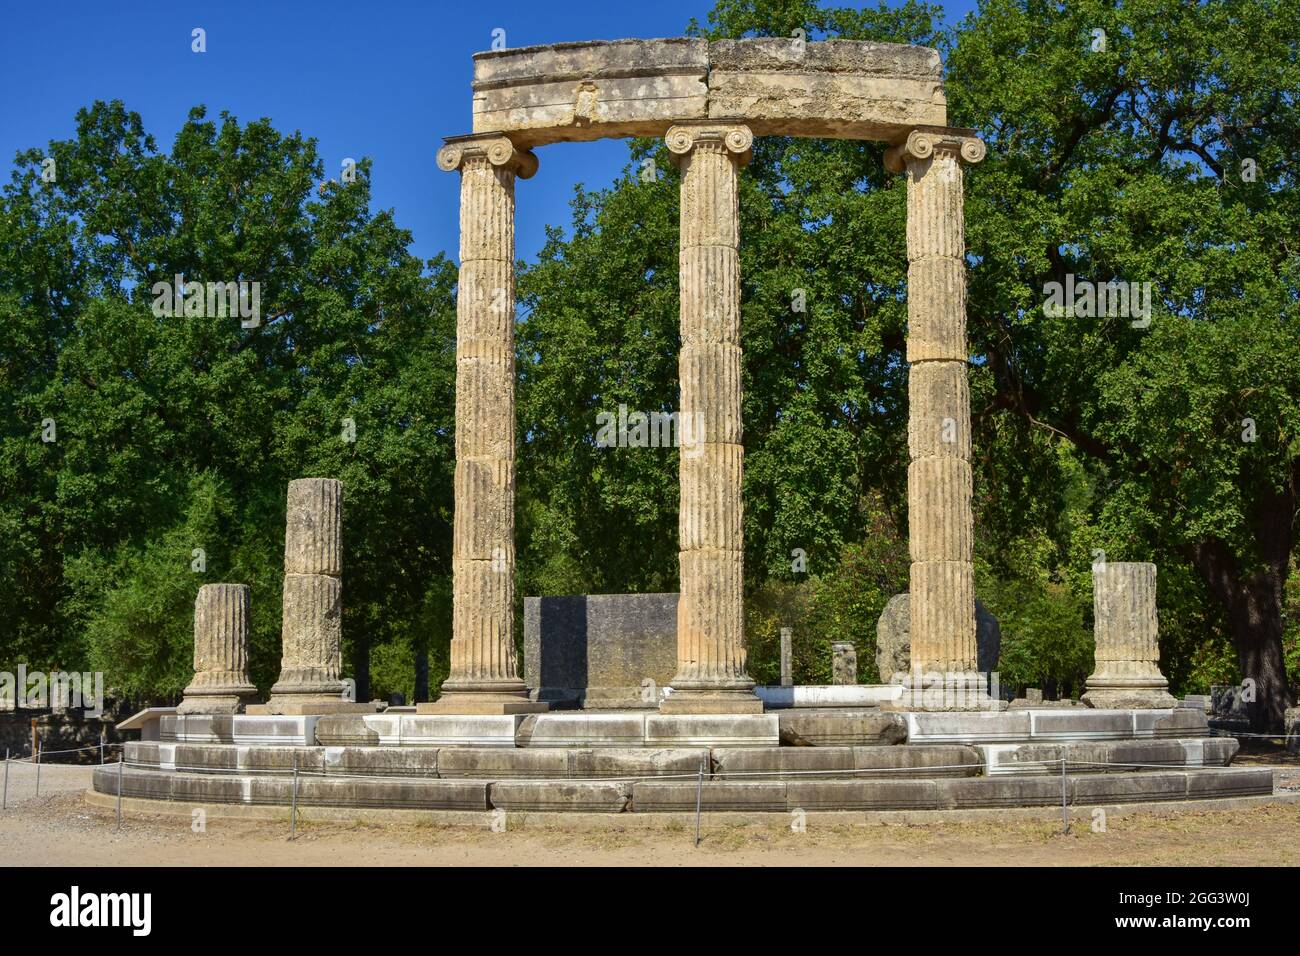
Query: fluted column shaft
{"points": [[711, 670], [1126, 629], [940, 517], [312, 609], [484, 675], [221, 683]]}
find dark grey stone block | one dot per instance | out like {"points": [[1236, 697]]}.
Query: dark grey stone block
{"points": [[598, 649]]}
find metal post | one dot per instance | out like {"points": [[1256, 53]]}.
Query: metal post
{"points": [[121, 762], [699, 793], [293, 813], [4, 801], [38, 768], [1065, 814], [101, 746]]}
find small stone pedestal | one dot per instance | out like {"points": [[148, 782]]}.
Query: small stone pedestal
{"points": [[221, 684], [1127, 673]]}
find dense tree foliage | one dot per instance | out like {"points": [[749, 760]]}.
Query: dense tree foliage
{"points": [[1150, 142]]}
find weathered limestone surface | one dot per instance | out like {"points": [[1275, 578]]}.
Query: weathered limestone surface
{"points": [[311, 632], [894, 641], [221, 620], [484, 677], [787, 657], [711, 675], [940, 517], [782, 86], [600, 650], [1127, 670], [844, 663]]}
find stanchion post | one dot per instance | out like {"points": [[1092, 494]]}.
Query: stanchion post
{"points": [[121, 762], [293, 812], [38, 768], [4, 801], [699, 793], [1065, 813]]}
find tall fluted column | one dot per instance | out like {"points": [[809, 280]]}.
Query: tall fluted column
{"points": [[940, 517], [312, 614], [711, 675], [484, 677], [1126, 629], [221, 684]]}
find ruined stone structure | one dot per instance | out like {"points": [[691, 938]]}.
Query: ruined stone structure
{"points": [[708, 99], [1127, 666], [221, 684]]}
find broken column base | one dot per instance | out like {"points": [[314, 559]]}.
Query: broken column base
{"points": [[500, 699], [219, 701], [712, 700], [1129, 698], [309, 707], [942, 691]]}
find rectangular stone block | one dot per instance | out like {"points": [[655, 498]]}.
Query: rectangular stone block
{"points": [[586, 795], [488, 763], [633, 763], [1010, 791], [968, 728], [387, 761], [827, 695], [862, 795], [448, 730], [664, 797], [712, 730], [585, 91], [775, 762], [894, 762], [582, 729], [603, 646], [1128, 788], [353, 730], [390, 794], [838, 726], [1229, 782]]}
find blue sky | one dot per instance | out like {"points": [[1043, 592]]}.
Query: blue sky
{"points": [[381, 79]]}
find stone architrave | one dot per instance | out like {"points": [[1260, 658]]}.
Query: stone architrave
{"points": [[711, 665], [221, 684], [844, 663], [1126, 629], [944, 656], [787, 657], [484, 674], [312, 614]]}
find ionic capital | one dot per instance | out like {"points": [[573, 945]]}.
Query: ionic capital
{"points": [[924, 141], [731, 138], [492, 147]]}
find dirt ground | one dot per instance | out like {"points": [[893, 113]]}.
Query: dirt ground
{"points": [[58, 828]]}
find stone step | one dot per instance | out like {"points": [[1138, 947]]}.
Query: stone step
{"points": [[1052, 724], [884, 761], [951, 793], [680, 796], [1106, 755]]}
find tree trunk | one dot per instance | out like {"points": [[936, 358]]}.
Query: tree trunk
{"points": [[1254, 610]]}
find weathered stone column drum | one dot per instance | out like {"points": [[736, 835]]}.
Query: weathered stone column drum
{"points": [[1126, 628], [940, 517], [484, 676], [221, 684], [311, 655], [711, 674]]}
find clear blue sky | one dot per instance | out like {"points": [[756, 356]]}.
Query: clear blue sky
{"points": [[366, 78]]}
